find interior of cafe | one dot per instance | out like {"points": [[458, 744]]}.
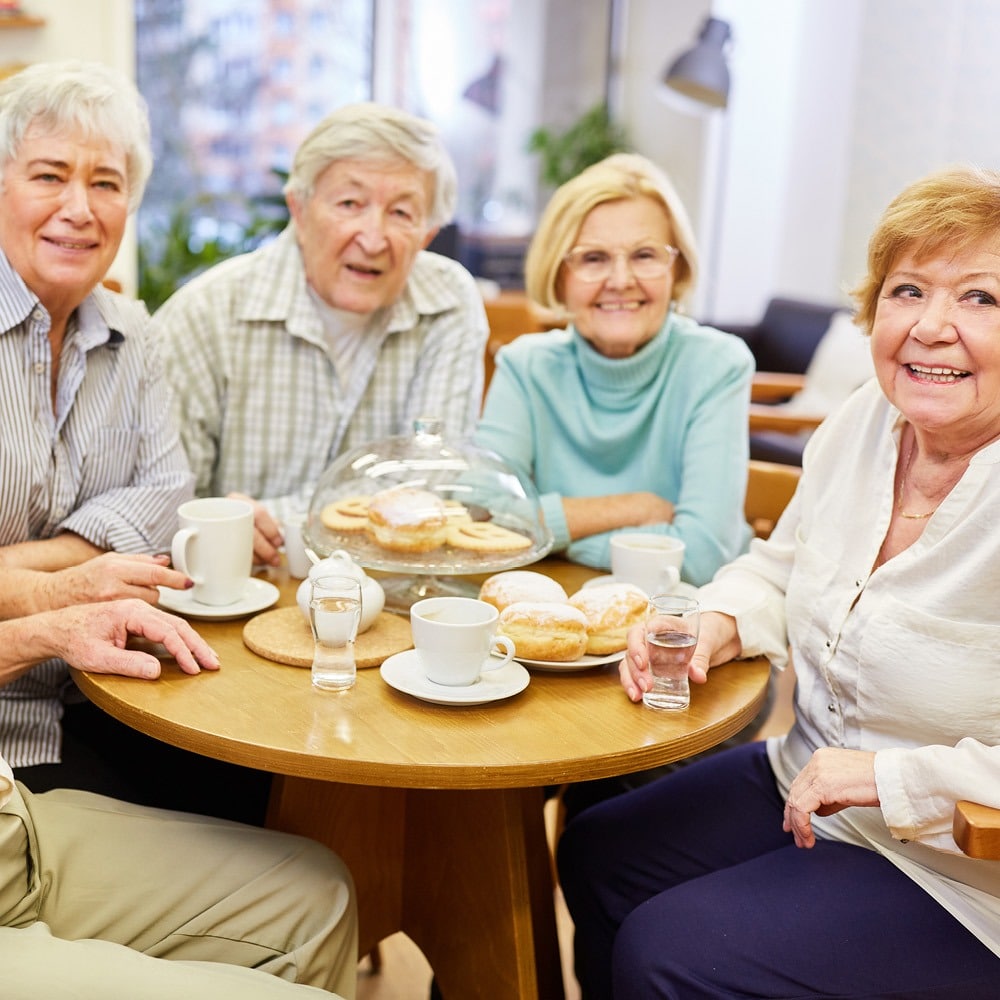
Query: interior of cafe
{"points": [[812, 116], [832, 109]]}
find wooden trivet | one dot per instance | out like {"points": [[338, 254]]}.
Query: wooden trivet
{"points": [[283, 635]]}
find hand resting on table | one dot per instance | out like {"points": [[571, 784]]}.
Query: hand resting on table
{"points": [[94, 637]]}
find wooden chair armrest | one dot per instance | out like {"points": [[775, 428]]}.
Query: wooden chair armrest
{"points": [[976, 830], [772, 387], [770, 418]]}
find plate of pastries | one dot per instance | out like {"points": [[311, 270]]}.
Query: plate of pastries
{"points": [[416, 529], [553, 630]]}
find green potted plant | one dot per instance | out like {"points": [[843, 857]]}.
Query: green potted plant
{"points": [[591, 138]]}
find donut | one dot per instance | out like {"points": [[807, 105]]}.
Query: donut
{"points": [[544, 630], [610, 610], [503, 589], [346, 514], [485, 536], [407, 520]]}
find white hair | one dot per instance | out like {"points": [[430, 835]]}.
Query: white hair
{"points": [[87, 96], [369, 131]]}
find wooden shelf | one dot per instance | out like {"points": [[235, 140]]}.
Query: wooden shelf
{"points": [[20, 21]]}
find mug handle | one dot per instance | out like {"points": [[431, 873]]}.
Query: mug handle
{"points": [[495, 663], [669, 579], [178, 551]]}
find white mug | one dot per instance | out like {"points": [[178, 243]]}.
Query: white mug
{"points": [[454, 638], [651, 562], [214, 547]]}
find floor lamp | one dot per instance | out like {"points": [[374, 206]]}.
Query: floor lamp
{"points": [[697, 82]]}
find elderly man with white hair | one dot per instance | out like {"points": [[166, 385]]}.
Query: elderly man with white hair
{"points": [[340, 332]]}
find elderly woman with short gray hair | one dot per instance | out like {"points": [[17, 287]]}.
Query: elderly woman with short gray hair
{"points": [[89, 468]]}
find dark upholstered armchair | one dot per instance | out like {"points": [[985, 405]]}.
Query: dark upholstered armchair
{"points": [[783, 344]]}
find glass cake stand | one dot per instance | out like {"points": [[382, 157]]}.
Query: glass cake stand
{"points": [[457, 474]]}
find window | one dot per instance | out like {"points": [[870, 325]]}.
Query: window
{"points": [[232, 89]]}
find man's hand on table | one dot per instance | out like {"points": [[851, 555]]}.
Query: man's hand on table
{"points": [[93, 637]]}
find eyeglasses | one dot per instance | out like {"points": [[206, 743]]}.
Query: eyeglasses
{"points": [[646, 262]]}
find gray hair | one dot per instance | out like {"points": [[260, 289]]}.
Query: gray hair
{"points": [[74, 94], [369, 131]]}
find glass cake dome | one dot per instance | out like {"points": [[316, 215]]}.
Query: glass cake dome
{"points": [[425, 507]]}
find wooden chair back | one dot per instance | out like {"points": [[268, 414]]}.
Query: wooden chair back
{"points": [[509, 315], [770, 485]]}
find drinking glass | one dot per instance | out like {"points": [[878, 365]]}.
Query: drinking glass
{"points": [[671, 636], [334, 614]]}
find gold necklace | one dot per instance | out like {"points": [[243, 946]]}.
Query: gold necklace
{"points": [[902, 486]]}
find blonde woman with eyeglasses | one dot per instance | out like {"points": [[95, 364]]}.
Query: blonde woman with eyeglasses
{"points": [[634, 416]]}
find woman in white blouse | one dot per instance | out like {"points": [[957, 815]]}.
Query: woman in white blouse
{"points": [[882, 580]]}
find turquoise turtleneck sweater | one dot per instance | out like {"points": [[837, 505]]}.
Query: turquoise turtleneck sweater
{"points": [[670, 419]]}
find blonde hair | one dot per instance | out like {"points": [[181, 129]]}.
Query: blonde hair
{"points": [[620, 176], [951, 209]]}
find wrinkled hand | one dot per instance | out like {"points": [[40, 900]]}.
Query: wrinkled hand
{"points": [[267, 535], [718, 642], [93, 637], [111, 576], [833, 779]]}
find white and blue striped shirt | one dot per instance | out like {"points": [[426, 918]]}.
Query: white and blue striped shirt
{"points": [[107, 464]]}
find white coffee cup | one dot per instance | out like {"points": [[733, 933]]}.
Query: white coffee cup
{"points": [[454, 638], [651, 562], [214, 547]]}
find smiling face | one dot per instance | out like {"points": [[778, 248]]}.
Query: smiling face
{"points": [[936, 344], [618, 315], [63, 208], [361, 230]]}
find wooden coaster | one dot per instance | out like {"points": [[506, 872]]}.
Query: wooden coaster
{"points": [[283, 635]]}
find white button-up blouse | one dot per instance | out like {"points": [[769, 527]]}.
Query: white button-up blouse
{"points": [[902, 660]]}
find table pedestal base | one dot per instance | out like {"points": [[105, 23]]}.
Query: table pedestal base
{"points": [[425, 861]]}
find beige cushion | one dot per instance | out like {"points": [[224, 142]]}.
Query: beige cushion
{"points": [[842, 361]]}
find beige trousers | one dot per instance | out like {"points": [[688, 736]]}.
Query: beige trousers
{"points": [[95, 894]]}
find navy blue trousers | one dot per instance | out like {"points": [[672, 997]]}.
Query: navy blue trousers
{"points": [[688, 889]]}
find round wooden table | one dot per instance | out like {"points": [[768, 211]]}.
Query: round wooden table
{"points": [[437, 810]]}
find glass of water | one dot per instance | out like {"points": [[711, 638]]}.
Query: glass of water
{"points": [[671, 636], [334, 614]]}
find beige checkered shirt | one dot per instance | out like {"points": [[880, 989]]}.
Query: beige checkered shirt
{"points": [[261, 407]]}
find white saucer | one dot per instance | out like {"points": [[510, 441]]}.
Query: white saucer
{"points": [[583, 663], [259, 595], [682, 589], [402, 672]]}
